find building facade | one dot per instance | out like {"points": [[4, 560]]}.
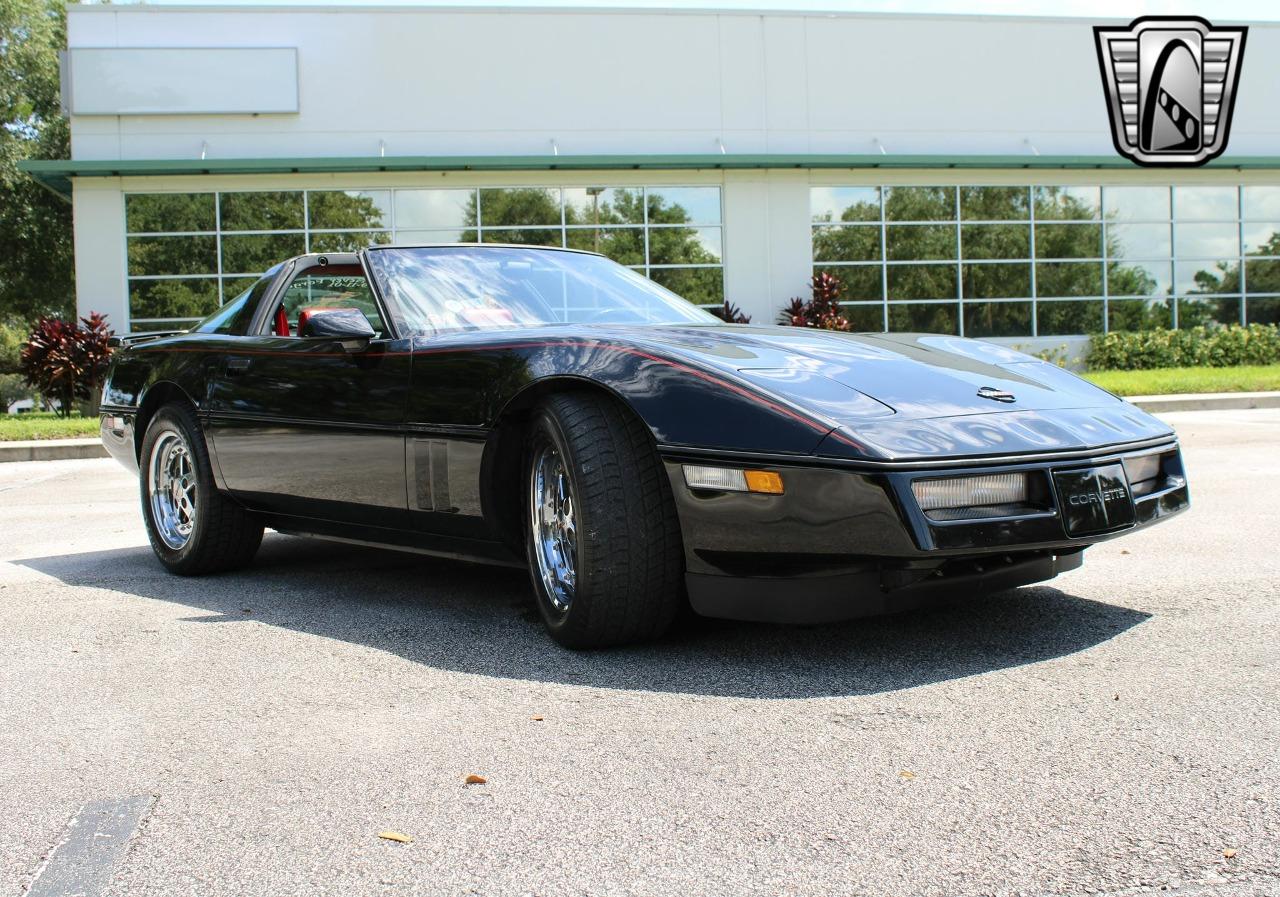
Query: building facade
{"points": [[956, 174]]}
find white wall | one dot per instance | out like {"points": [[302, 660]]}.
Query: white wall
{"points": [[493, 82], [432, 82]]}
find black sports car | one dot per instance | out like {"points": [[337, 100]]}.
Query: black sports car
{"points": [[551, 409]]}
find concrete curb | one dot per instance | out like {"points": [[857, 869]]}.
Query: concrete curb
{"points": [[52, 450], [1212, 401]]}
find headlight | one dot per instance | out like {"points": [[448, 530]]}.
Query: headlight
{"points": [[969, 492]]}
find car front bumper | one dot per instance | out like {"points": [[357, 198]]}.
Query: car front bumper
{"points": [[848, 541]]}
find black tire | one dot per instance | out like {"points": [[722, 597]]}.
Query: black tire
{"points": [[629, 565], [223, 535]]}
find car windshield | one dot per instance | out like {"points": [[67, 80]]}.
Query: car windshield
{"points": [[449, 288]]}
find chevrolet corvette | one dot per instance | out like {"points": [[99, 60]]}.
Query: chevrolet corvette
{"points": [[553, 410]]}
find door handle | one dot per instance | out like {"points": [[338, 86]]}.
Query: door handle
{"points": [[237, 366]]}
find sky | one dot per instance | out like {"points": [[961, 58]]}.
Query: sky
{"points": [[1217, 11]]}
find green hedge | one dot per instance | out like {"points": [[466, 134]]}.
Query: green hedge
{"points": [[1216, 347]]}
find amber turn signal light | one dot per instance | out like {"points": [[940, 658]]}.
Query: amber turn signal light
{"points": [[763, 481]]}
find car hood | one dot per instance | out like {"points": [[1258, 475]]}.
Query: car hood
{"points": [[906, 395]]}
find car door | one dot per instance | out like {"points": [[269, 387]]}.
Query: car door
{"points": [[305, 426]]}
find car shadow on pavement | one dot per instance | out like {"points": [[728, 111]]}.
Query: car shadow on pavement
{"points": [[481, 620]]}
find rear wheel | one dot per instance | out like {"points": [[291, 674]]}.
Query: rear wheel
{"points": [[602, 536], [193, 528]]}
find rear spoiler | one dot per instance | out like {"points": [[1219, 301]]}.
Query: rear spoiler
{"points": [[130, 339]]}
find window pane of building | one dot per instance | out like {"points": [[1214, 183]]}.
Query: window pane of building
{"points": [[929, 318], [701, 286], [865, 318], [684, 245], [234, 286], [348, 209], [1068, 203], [169, 212], [435, 209], [857, 282], [1135, 203], [519, 207], [1206, 276], [844, 204], [1139, 278], [1263, 311], [1196, 312], [910, 242], [261, 211], [1260, 203], [1066, 318], [993, 203], [1137, 241], [255, 253], [337, 241], [151, 256], [1261, 239], [920, 203], [1004, 281], [604, 205], [847, 243], [1206, 240], [173, 298], [1262, 276], [1139, 314], [421, 237], [624, 245], [922, 282], [1068, 241], [995, 241], [1206, 203], [997, 318], [1068, 278], [684, 205], [542, 236]]}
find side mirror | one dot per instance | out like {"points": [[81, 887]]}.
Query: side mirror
{"points": [[347, 325]]}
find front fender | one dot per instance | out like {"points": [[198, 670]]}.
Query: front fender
{"points": [[683, 404]]}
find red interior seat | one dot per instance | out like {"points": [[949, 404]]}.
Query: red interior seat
{"points": [[281, 325]]}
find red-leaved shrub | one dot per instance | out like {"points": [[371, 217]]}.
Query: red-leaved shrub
{"points": [[730, 314], [822, 311], [65, 360]]}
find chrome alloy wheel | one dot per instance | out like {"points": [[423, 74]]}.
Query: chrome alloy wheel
{"points": [[171, 489], [554, 528]]}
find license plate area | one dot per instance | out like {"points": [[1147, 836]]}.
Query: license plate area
{"points": [[1094, 499]]}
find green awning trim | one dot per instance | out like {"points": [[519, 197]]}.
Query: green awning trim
{"points": [[56, 174]]}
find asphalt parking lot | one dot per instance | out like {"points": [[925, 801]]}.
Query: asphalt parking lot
{"points": [[1115, 731]]}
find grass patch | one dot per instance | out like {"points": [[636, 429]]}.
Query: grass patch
{"points": [[1176, 381], [45, 425]]}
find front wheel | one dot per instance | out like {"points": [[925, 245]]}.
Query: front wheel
{"points": [[193, 528], [602, 535]]}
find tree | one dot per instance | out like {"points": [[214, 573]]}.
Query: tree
{"points": [[36, 271]]}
